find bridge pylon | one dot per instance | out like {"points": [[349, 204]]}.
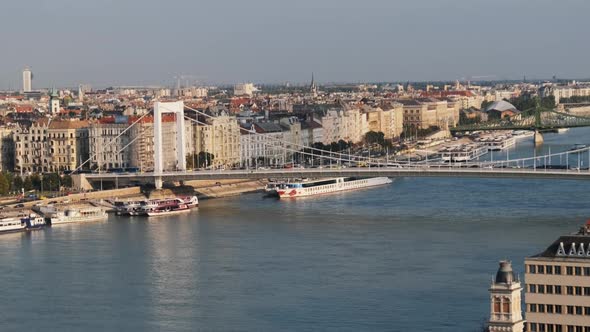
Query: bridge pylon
{"points": [[538, 138]]}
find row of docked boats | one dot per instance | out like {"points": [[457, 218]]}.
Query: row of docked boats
{"points": [[156, 207], [34, 221], [305, 187]]}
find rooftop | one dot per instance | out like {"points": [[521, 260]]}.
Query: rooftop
{"points": [[570, 246]]}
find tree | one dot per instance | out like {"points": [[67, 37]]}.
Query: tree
{"points": [[373, 137], [200, 160], [28, 184], [66, 181], [17, 183], [51, 181], [4, 185], [35, 181]]}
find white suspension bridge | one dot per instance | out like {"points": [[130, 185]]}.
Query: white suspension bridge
{"points": [[561, 165]]}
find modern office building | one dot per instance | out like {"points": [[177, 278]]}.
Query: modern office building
{"points": [[27, 79], [558, 285]]}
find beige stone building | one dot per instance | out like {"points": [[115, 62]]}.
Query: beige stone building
{"points": [[423, 113], [220, 137], [68, 144], [558, 285], [31, 153], [387, 119]]}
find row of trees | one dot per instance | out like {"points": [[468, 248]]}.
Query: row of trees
{"points": [[575, 99], [341, 145], [527, 103], [10, 182], [199, 160]]}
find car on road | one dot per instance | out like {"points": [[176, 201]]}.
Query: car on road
{"points": [[20, 205]]}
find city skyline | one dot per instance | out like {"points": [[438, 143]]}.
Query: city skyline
{"points": [[134, 43]]}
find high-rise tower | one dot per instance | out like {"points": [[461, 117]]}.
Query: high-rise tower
{"points": [[505, 313], [27, 79]]}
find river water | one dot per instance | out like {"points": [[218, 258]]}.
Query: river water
{"points": [[416, 255]]}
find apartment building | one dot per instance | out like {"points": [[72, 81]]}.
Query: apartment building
{"points": [[220, 137]]}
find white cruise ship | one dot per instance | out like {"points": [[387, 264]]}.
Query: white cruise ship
{"points": [[9, 225], [74, 215], [324, 186]]}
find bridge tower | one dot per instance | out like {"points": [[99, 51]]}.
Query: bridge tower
{"points": [[538, 123], [176, 108]]}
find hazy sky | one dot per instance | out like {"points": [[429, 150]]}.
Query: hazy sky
{"points": [[103, 42]]}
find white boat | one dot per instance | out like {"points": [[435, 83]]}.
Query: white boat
{"points": [[166, 207], [324, 186], [519, 134], [9, 225], [33, 221], [129, 208], [578, 147], [190, 201], [462, 153], [75, 215]]}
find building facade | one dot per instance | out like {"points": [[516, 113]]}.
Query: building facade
{"points": [[505, 303], [220, 137], [558, 285]]}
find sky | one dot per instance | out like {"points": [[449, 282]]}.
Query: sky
{"points": [[148, 42]]}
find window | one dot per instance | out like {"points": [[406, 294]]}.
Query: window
{"points": [[557, 289], [569, 270], [533, 327], [532, 269], [587, 291], [587, 311], [570, 309], [587, 271], [506, 307], [532, 307], [549, 269], [541, 308], [557, 269], [541, 289], [549, 289], [541, 269], [578, 271], [578, 290], [550, 309], [579, 310], [558, 309], [570, 290], [532, 288]]}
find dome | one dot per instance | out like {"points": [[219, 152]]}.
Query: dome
{"points": [[501, 105], [505, 275]]}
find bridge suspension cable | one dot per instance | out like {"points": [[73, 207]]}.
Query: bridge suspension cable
{"points": [[112, 141]]}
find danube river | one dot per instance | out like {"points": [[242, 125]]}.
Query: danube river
{"points": [[416, 255]]}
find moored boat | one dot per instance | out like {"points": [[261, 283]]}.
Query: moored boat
{"points": [[167, 207], [10, 225], [190, 201], [76, 215], [324, 186]]}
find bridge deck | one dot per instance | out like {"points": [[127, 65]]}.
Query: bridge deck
{"points": [[539, 173]]}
